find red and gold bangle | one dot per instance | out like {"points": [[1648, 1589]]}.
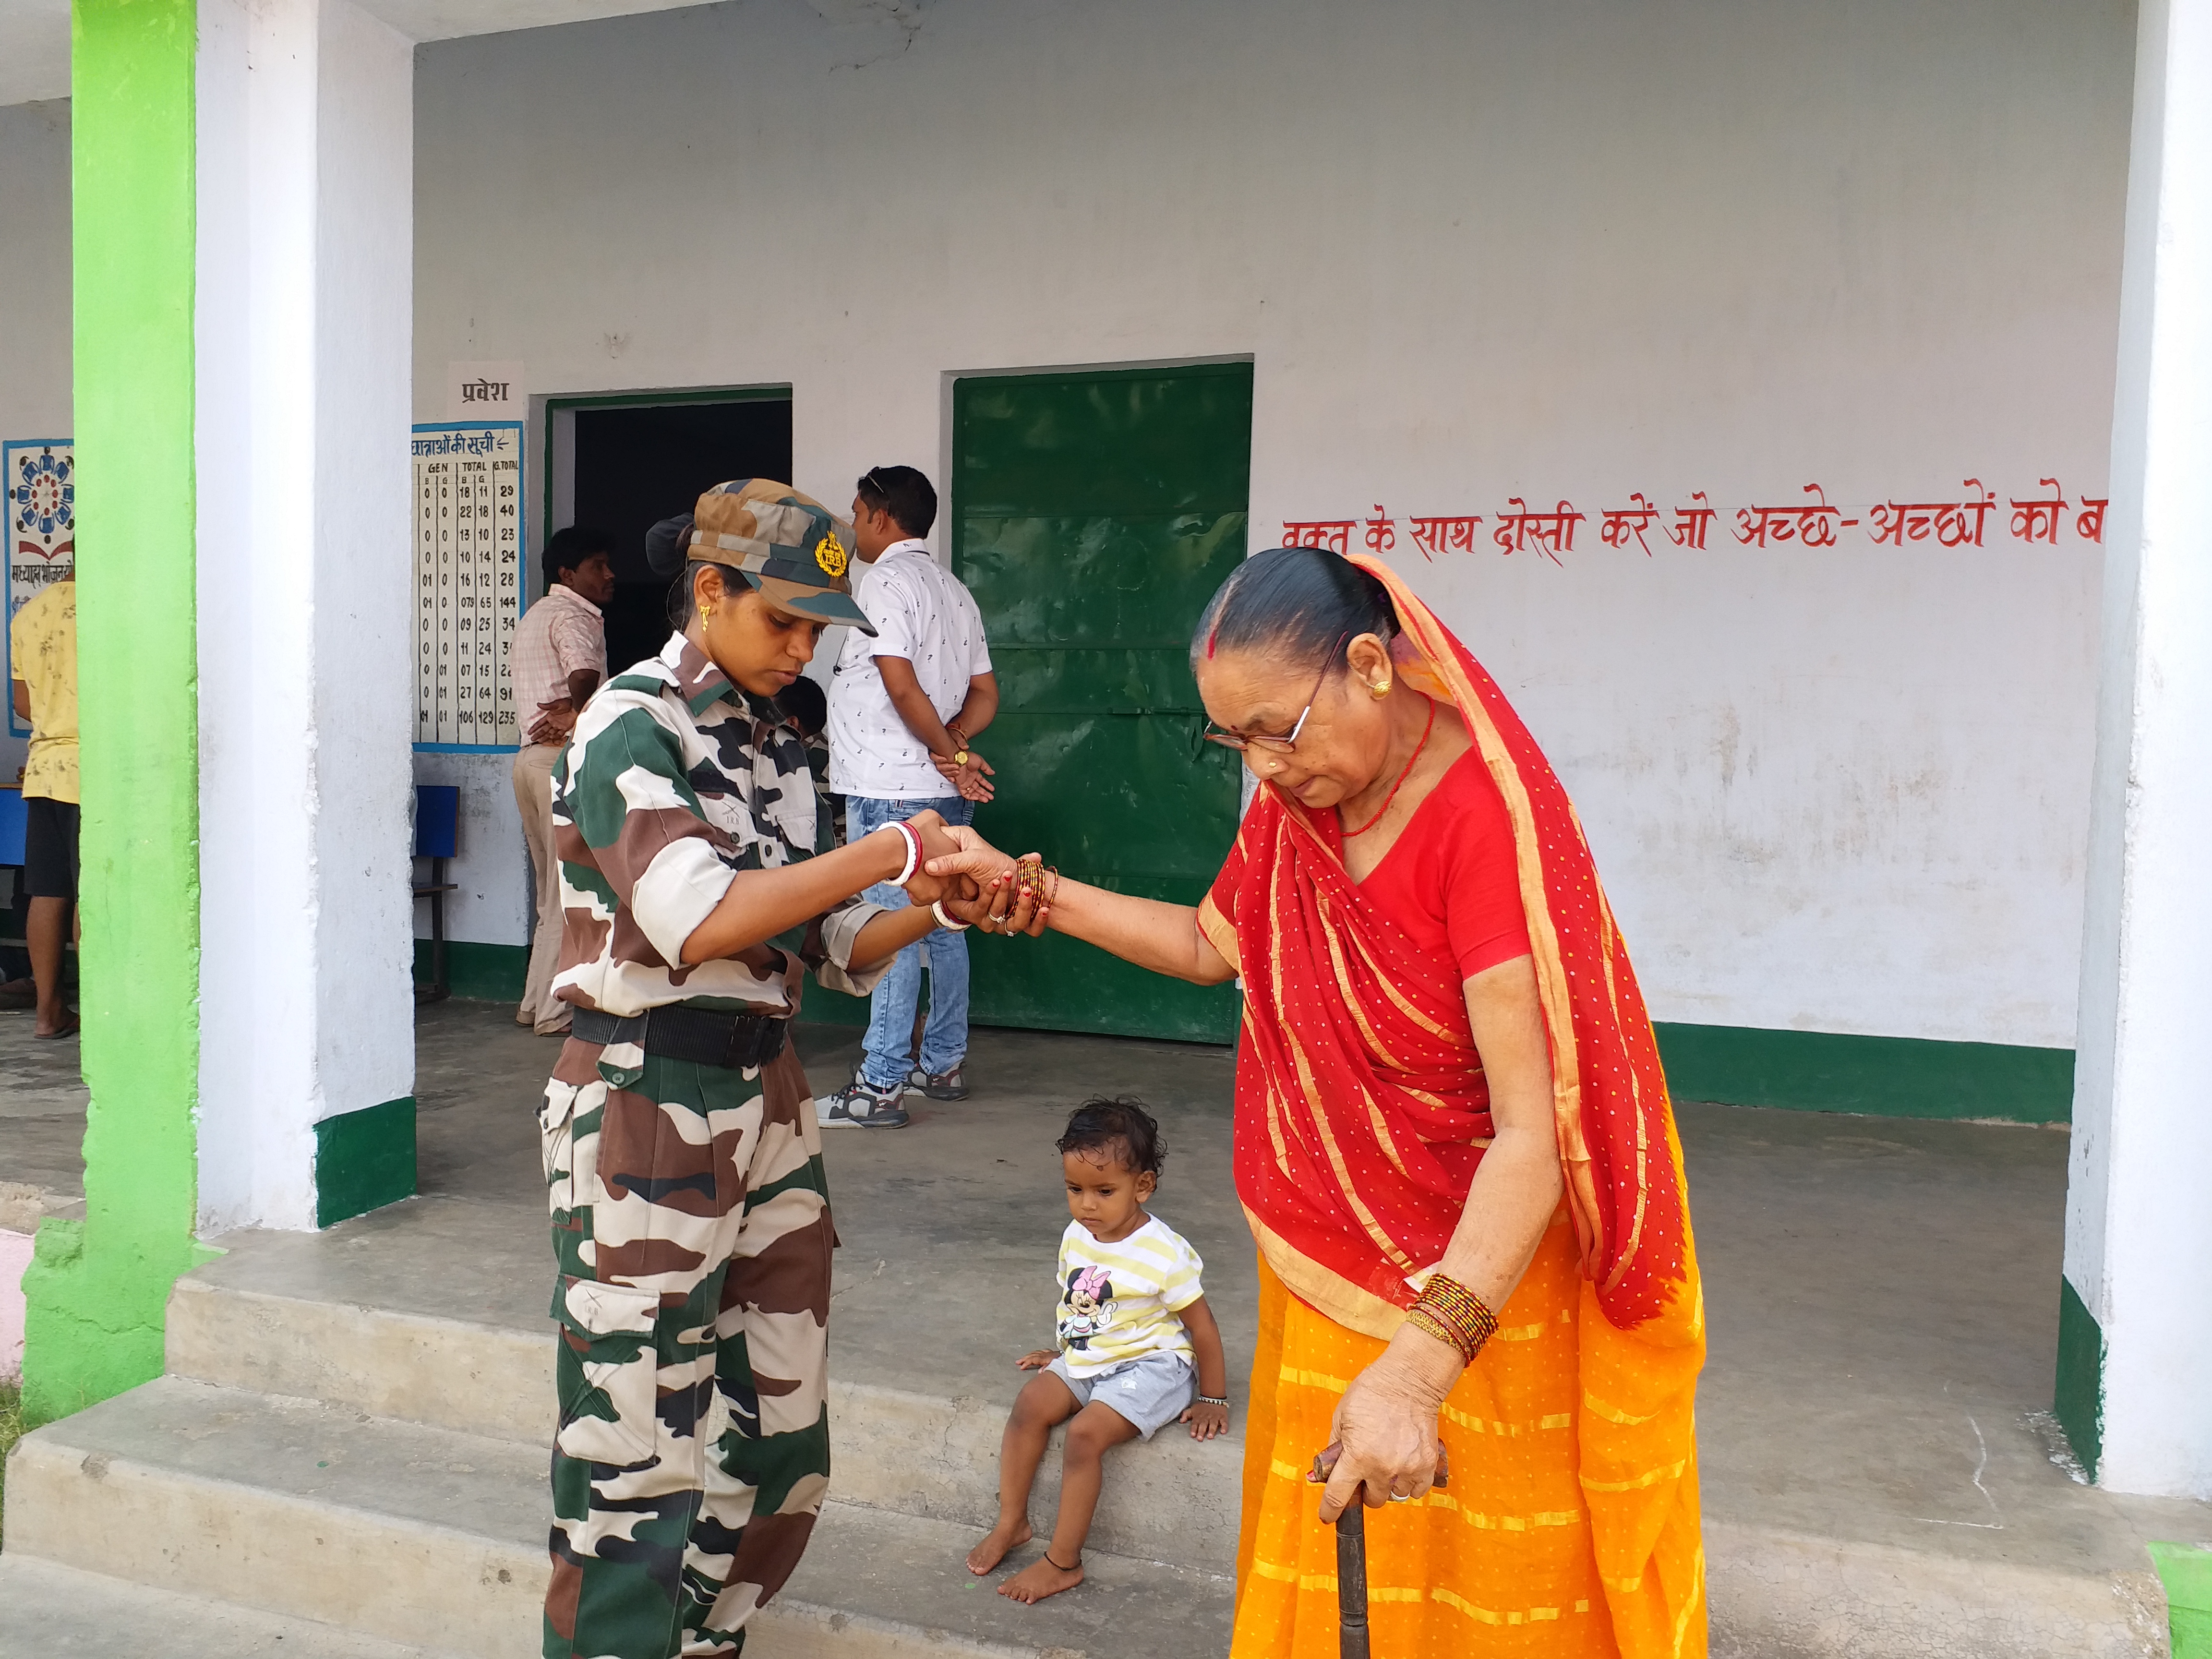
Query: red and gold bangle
{"points": [[1450, 1312], [1029, 878]]}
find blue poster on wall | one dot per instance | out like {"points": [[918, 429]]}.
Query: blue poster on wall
{"points": [[40, 476]]}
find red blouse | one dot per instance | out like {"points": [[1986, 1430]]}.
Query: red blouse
{"points": [[1450, 880]]}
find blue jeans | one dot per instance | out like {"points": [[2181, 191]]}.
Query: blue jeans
{"points": [[891, 1011]]}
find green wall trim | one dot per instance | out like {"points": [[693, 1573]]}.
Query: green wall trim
{"points": [[1887, 1077], [97, 1293], [489, 973], [2185, 1569], [2077, 1397], [364, 1160]]}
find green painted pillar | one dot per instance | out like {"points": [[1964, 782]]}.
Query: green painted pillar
{"points": [[98, 1288], [2185, 1570]]}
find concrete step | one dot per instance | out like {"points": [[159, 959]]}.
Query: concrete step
{"points": [[277, 1315], [416, 1536], [406, 1533], [51, 1612]]}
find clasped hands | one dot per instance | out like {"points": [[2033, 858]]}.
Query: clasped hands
{"points": [[973, 880], [971, 781]]}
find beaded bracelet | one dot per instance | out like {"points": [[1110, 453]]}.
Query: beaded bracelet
{"points": [[1450, 1312]]}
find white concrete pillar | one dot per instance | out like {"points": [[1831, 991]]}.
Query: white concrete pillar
{"points": [[2134, 1384], [303, 329]]}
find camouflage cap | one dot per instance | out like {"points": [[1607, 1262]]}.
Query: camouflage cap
{"points": [[789, 546]]}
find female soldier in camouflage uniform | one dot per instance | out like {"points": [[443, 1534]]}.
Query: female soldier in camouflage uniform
{"points": [[690, 1214]]}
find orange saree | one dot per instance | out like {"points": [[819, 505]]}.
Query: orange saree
{"points": [[1571, 1526]]}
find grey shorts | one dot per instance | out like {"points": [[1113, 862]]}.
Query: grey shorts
{"points": [[1152, 1392]]}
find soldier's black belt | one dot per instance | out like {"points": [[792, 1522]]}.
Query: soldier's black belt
{"points": [[707, 1037]]}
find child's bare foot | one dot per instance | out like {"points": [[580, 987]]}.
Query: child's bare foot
{"points": [[1041, 1578], [994, 1548]]}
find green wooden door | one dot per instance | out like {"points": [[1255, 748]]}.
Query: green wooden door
{"points": [[1093, 515]]}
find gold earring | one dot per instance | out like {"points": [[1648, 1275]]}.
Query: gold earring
{"points": [[1382, 691], [706, 613]]}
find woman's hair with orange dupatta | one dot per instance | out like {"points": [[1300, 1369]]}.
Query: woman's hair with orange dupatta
{"points": [[1293, 602]]}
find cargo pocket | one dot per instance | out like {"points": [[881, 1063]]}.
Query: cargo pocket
{"points": [[610, 1372]]}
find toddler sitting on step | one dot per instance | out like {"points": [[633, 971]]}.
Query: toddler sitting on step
{"points": [[1132, 1325]]}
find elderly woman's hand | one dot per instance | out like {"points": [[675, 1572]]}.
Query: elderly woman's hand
{"points": [[996, 906], [1386, 1424]]}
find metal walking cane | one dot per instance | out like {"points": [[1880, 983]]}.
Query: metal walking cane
{"points": [[1352, 1553]]}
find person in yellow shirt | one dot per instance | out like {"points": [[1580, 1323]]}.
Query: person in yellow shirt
{"points": [[42, 649]]}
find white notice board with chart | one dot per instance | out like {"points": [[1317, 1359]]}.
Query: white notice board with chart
{"points": [[468, 581]]}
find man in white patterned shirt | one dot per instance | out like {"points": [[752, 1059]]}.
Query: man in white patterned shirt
{"points": [[558, 660], [905, 708]]}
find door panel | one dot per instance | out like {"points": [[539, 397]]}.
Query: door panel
{"points": [[1093, 515]]}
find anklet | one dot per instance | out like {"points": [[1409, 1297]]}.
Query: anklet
{"points": [[1047, 1556]]}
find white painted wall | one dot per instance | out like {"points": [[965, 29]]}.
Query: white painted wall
{"points": [[1477, 250], [493, 903], [2138, 1230], [35, 397], [35, 271], [305, 595]]}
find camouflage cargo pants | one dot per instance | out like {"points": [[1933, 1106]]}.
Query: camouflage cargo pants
{"points": [[692, 1228]]}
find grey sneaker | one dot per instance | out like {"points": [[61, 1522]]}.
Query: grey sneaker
{"points": [[941, 1086], [856, 1106]]}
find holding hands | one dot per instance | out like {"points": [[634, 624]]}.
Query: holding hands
{"points": [[996, 893], [925, 885]]}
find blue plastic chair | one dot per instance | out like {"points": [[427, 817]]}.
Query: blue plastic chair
{"points": [[437, 838], [15, 821]]}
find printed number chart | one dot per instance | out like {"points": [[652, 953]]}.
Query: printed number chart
{"points": [[468, 582], [40, 492]]}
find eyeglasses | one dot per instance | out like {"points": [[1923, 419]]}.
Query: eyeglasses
{"points": [[1285, 744]]}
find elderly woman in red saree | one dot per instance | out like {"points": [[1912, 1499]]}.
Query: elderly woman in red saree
{"points": [[1453, 1142]]}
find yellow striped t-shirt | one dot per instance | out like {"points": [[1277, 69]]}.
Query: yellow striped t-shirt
{"points": [[1118, 1302]]}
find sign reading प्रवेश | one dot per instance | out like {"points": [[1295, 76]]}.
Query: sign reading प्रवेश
{"points": [[40, 487], [468, 582]]}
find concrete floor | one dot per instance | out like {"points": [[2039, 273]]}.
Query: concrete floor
{"points": [[42, 1105], [1883, 1293]]}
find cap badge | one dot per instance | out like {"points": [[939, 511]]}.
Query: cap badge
{"points": [[829, 554]]}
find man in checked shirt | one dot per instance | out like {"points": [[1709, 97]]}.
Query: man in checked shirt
{"points": [[558, 660]]}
